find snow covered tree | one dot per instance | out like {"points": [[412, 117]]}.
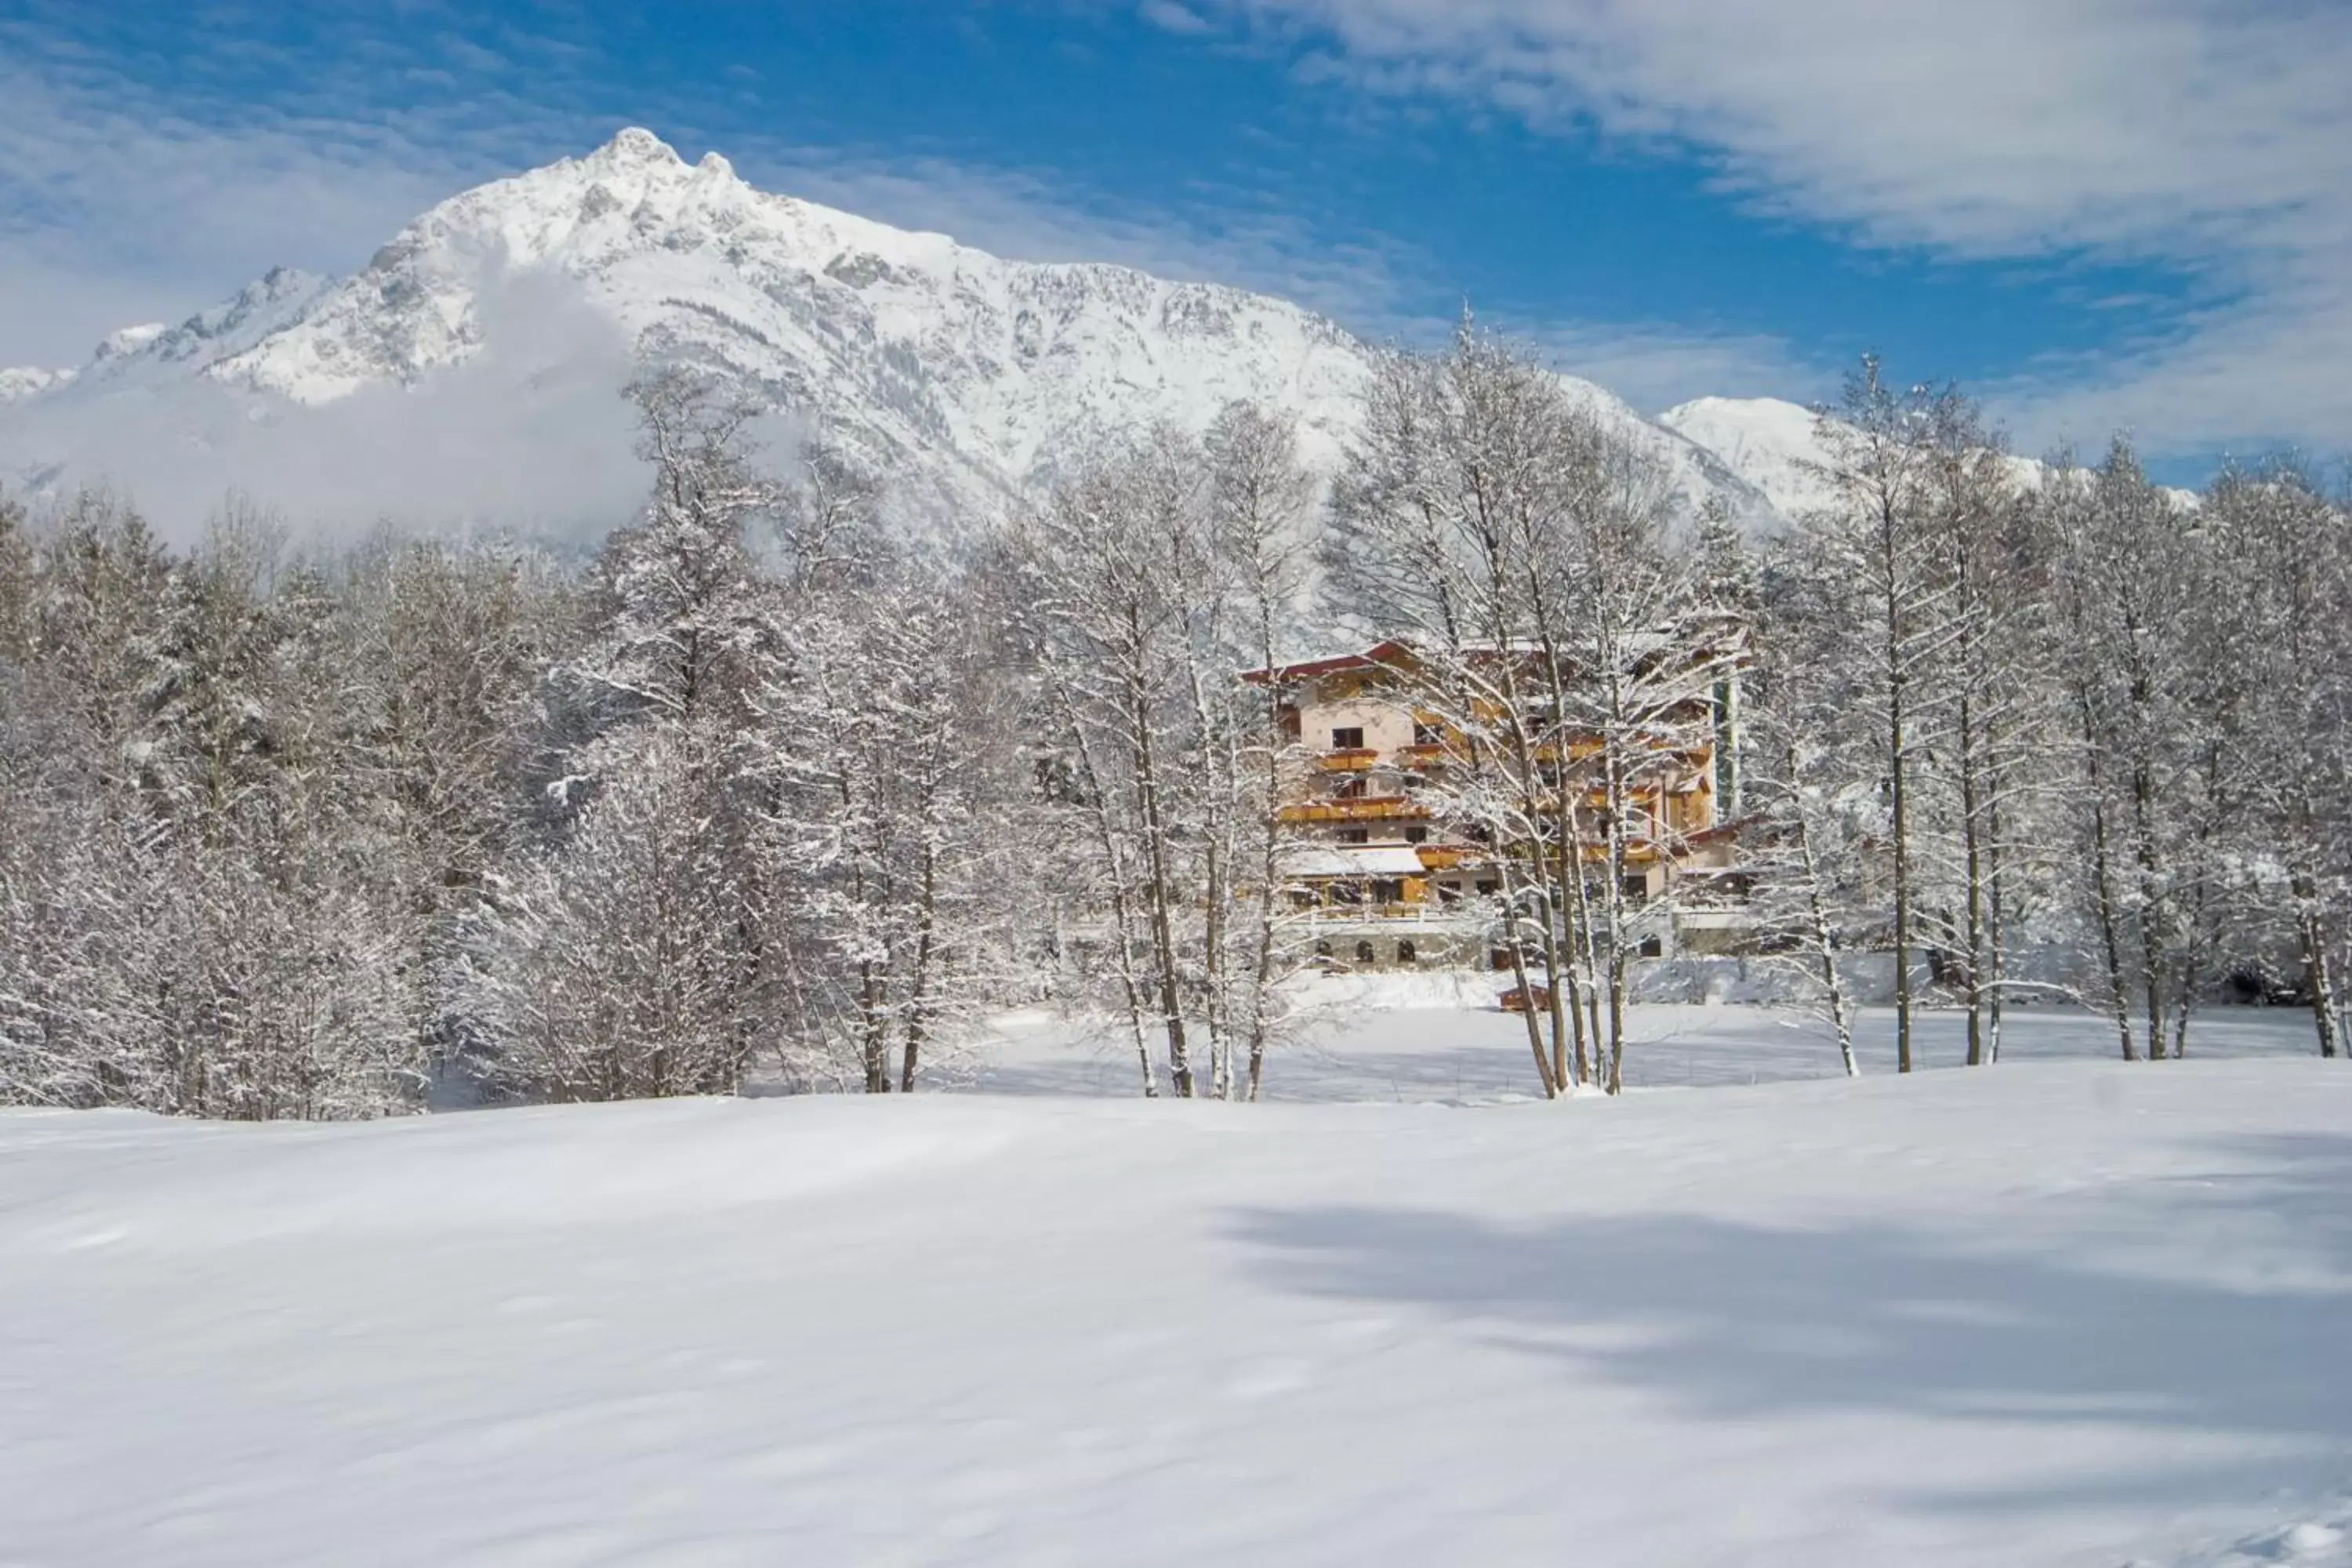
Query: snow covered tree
{"points": [[1444, 505], [2126, 569], [2277, 701], [676, 591], [1982, 699], [615, 968], [1157, 571], [1262, 502], [1531, 558], [219, 941], [1632, 657], [1813, 804], [879, 738], [662, 884], [1117, 569], [1875, 547]]}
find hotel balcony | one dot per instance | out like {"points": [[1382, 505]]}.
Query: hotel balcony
{"points": [[1348, 759], [1367, 808]]}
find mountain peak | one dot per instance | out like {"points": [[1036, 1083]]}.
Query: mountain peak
{"points": [[518, 309], [125, 341], [636, 145]]}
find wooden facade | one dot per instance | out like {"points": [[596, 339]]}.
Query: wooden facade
{"points": [[1367, 797]]}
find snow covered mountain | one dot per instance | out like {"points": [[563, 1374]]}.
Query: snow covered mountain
{"points": [[1772, 445], [1776, 447], [487, 338]]}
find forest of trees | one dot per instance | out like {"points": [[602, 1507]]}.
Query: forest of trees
{"points": [[772, 788]]}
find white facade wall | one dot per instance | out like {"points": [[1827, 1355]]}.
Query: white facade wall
{"points": [[1387, 724]]}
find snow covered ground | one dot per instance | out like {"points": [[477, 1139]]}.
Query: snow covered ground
{"points": [[2059, 1312], [1438, 1035]]}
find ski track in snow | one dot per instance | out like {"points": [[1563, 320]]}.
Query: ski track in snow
{"points": [[2064, 1311]]}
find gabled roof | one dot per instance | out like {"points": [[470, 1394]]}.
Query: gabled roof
{"points": [[1396, 653], [1388, 655]]}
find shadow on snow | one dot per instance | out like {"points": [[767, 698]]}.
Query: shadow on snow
{"points": [[1746, 1322]]}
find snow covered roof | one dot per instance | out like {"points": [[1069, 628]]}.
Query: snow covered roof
{"points": [[1392, 652], [1399, 653], [1370, 860]]}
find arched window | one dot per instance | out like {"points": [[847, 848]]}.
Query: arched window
{"points": [[1364, 953], [1405, 954], [1322, 950]]}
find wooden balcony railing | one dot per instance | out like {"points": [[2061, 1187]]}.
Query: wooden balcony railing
{"points": [[1348, 759], [1367, 808], [1430, 912]]}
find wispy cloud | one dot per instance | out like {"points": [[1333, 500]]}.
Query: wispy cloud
{"points": [[122, 200], [2212, 135], [1175, 16], [529, 437], [128, 196]]}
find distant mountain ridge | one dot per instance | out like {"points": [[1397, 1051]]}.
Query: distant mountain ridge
{"points": [[959, 376]]}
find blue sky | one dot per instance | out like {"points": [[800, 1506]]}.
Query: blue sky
{"points": [[2114, 213]]}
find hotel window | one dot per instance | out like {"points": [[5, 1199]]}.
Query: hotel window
{"points": [[1416, 835], [1350, 738], [1355, 835]]}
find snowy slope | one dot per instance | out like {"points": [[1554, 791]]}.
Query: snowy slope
{"points": [[958, 373], [1772, 445], [2052, 1315], [1776, 447]]}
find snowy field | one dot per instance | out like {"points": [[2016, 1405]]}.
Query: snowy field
{"points": [[1438, 1035], [2061, 1312]]}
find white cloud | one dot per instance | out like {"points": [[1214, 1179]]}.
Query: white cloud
{"points": [[1174, 17], [2212, 135], [122, 200], [118, 207], [528, 434], [120, 203]]}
